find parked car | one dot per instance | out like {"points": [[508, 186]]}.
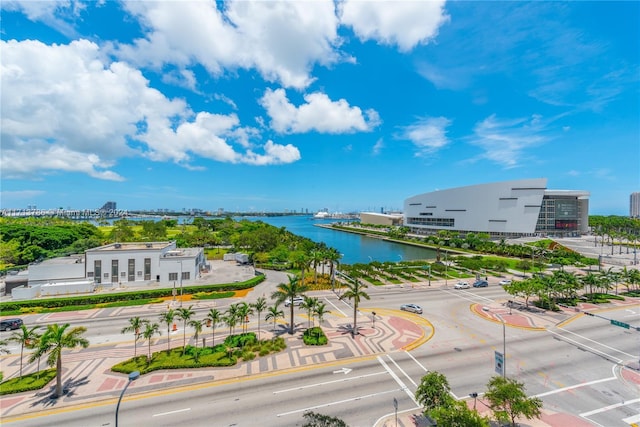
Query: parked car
{"points": [[461, 285], [296, 301], [413, 308], [505, 282], [10, 324], [481, 284]]}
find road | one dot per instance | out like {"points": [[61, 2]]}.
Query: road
{"points": [[574, 368]]}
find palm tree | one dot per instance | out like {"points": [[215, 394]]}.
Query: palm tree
{"points": [[185, 314], [214, 316], [289, 291], [309, 304], [320, 310], [24, 336], [168, 317], [244, 311], [150, 329], [197, 328], [232, 318], [135, 324], [355, 291], [54, 340], [259, 306], [274, 313]]}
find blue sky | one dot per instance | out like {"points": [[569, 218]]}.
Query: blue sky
{"points": [[349, 106]]}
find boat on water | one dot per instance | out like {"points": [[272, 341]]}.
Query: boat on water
{"points": [[321, 215]]}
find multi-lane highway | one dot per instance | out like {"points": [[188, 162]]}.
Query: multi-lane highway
{"points": [[575, 368]]}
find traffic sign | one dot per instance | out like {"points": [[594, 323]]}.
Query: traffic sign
{"points": [[621, 324], [499, 358]]}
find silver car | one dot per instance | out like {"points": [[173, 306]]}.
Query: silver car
{"points": [[413, 308]]}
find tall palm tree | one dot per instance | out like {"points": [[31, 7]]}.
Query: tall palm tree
{"points": [[355, 291], [54, 340], [231, 318], [24, 336], [244, 311], [259, 306], [197, 328], [309, 304], [168, 317], [185, 314], [150, 329], [320, 311], [274, 313], [214, 316], [135, 324], [289, 291]]}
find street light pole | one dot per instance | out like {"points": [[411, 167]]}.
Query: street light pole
{"points": [[132, 377]]}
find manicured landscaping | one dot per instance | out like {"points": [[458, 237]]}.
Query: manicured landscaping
{"points": [[314, 336], [29, 382]]}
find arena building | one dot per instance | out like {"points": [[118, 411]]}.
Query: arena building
{"points": [[503, 209]]}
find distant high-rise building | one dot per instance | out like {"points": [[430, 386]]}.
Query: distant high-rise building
{"points": [[109, 206], [634, 205]]}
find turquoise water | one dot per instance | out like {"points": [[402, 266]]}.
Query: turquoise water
{"points": [[353, 247]]}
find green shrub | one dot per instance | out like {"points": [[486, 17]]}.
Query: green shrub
{"points": [[314, 336], [248, 355], [240, 340], [30, 382]]}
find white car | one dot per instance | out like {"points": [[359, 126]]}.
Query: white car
{"points": [[412, 308], [461, 285], [505, 282], [296, 301]]}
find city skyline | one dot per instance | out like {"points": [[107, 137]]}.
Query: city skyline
{"points": [[292, 106]]}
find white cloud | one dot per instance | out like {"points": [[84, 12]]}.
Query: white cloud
{"points": [[428, 134], [281, 39], [505, 141], [274, 154], [63, 109], [402, 23], [318, 113], [377, 148]]}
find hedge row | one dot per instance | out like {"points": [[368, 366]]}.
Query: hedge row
{"points": [[126, 296]]}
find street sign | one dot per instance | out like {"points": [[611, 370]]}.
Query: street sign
{"points": [[499, 357], [621, 324]]}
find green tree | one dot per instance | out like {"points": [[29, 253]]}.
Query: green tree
{"points": [[168, 318], [259, 306], [434, 392], [54, 340], [289, 291], [244, 311], [215, 317], [508, 400], [197, 329], [185, 314], [274, 313], [24, 336], [150, 330], [320, 311], [458, 415], [355, 292], [313, 419], [309, 304], [135, 325]]}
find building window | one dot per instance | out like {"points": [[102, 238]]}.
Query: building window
{"points": [[89, 273], [97, 268], [131, 268], [147, 269], [173, 277], [114, 270], [186, 275]]}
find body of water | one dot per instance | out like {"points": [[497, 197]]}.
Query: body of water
{"points": [[353, 247]]}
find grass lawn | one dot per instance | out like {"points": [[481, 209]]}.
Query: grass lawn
{"points": [[29, 382]]}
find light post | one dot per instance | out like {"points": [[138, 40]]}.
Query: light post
{"points": [[132, 377], [475, 397]]}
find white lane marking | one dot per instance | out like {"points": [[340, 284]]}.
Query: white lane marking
{"points": [[632, 419], [573, 387], [586, 346], [609, 407], [171, 412], [328, 382], [402, 370], [335, 306], [462, 294], [398, 380], [599, 343], [338, 402], [416, 360]]}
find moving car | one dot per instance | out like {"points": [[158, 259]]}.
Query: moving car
{"points": [[481, 284], [413, 308], [461, 285], [296, 301], [10, 324], [505, 282]]}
